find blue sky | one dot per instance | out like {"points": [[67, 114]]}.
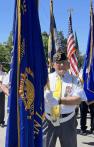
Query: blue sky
{"points": [[80, 18], [6, 18]]}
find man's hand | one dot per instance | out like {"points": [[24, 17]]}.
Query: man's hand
{"points": [[4, 88]]}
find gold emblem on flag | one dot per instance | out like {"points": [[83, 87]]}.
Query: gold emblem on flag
{"points": [[26, 90]]}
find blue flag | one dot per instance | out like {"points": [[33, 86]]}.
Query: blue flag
{"points": [[88, 72], [28, 78]]}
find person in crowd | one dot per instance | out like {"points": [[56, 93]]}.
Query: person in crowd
{"points": [[5, 84], [62, 94], [84, 108], [2, 97], [5, 87]]}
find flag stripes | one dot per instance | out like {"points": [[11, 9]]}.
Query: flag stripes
{"points": [[71, 50]]}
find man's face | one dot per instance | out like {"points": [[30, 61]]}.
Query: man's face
{"points": [[62, 67]]}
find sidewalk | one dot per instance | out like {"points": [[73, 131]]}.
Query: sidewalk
{"points": [[82, 141], [3, 130], [85, 141]]}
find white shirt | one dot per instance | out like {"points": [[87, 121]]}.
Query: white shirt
{"points": [[68, 81], [2, 75], [6, 79]]}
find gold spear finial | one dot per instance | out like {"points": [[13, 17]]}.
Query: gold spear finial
{"points": [[51, 5], [91, 6], [70, 10]]}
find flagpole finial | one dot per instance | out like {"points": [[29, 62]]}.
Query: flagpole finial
{"points": [[70, 17], [51, 3], [91, 6], [91, 2], [70, 10], [51, 7]]}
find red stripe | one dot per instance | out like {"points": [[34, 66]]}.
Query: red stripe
{"points": [[69, 38], [73, 70], [75, 59], [71, 44], [68, 43], [71, 52], [73, 64]]}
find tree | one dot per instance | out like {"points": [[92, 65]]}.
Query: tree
{"points": [[45, 43], [6, 47], [78, 54], [64, 41], [5, 53], [45, 38]]}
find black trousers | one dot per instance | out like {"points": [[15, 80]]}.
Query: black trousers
{"points": [[2, 107], [83, 110], [66, 133]]}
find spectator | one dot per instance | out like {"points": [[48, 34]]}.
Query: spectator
{"points": [[2, 97]]}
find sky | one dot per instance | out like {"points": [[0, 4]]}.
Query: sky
{"points": [[80, 18]]}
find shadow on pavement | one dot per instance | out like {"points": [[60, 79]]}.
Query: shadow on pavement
{"points": [[78, 132], [89, 143]]}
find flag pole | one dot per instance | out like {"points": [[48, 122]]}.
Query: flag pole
{"points": [[70, 10], [51, 16], [51, 33], [18, 66], [91, 43]]}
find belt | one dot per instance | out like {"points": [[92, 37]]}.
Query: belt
{"points": [[65, 115], [64, 118], [62, 115]]}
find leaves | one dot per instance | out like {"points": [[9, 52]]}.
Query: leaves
{"points": [[5, 53], [6, 47]]}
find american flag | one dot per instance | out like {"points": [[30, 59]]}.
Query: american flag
{"points": [[71, 50]]}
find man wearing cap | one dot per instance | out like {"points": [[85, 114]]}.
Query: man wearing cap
{"points": [[61, 97], [2, 97]]}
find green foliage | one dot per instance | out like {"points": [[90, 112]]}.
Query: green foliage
{"points": [[45, 38], [6, 47], [64, 41], [80, 61], [78, 54], [5, 53]]}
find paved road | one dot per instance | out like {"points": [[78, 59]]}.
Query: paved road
{"points": [[83, 141], [3, 130]]}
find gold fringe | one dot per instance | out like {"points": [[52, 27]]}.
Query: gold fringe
{"points": [[18, 65]]}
